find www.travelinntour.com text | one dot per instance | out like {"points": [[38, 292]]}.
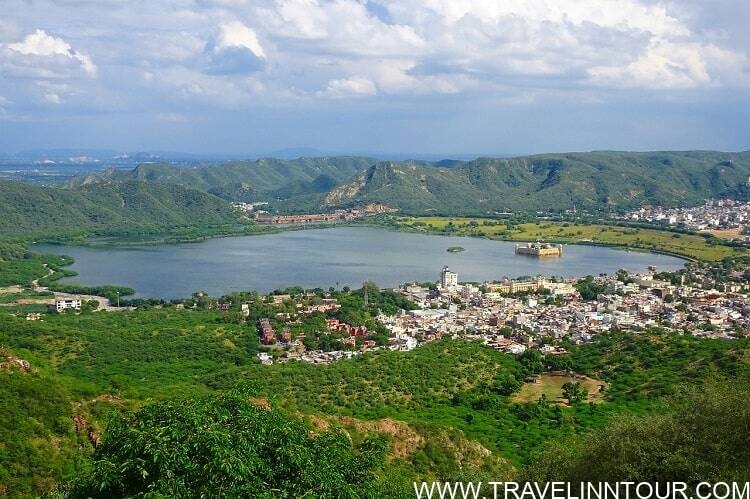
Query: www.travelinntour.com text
{"points": [[581, 490]]}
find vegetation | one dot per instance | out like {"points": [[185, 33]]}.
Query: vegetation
{"points": [[112, 293], [226, 446], [127, 208], [265, 179], [38, 446], [599, 181], [452, 401], [550, 386], [188, 410], [687, 245], [30, 267], [594, 181], [702, 437], [589, 289]]}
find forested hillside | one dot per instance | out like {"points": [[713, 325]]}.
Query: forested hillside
{"points": [[30, 211], [551, 182], [448, 410], [596, 181], [247, 181]]}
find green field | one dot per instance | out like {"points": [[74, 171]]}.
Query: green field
{"points": [[686, 245], [551, 386]]}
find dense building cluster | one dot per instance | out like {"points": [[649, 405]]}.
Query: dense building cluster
{"points": [[514, 316], [725, 214]]}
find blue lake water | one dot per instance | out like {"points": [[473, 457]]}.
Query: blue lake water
{"points": [[324, 257]]}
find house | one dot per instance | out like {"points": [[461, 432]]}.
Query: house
{"points": [[280, 299], [286, 335], [267, 334], [448, 279], [62, 304]]}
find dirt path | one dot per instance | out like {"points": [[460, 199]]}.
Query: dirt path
{"points": [[35, 283], [104, 303]]}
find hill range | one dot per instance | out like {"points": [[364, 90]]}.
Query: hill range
{"points": [[594, 181], [158, 197]]}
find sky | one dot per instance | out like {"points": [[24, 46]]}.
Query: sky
{"points": [[382, 76]]}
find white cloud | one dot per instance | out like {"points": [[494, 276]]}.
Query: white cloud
{"points": [[41, 44], [356, 86], [236, 34], [235, 50], [52, 98], [234, 53], [670, 65]]}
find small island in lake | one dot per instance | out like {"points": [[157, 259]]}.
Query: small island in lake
{"points": [[455, 249], [539, 249]]}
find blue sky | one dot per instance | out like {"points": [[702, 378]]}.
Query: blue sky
{"points": [[423, 77]]}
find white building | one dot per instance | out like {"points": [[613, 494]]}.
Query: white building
{"points": [[448, 279], [265, 358], [66, 303]]}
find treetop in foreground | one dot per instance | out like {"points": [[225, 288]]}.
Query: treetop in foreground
{"points": [[226, 446]]}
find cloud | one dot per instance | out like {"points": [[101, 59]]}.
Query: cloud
{"points": [[236, 35], [235, 50], [40, 44], [186, 56], [52, 98], [356, 86]]}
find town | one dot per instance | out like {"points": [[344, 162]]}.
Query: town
{"points": [[265, 218], [513, 316], [726, 217]]}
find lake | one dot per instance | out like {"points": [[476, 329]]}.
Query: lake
{"points": [[346, 256]]}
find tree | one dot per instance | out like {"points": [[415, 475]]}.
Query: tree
{"points": [[701, 437], [622, 275], [531, 362], [558, 362], [574, 392], [589, 289], [226, 446], [506, 385]]}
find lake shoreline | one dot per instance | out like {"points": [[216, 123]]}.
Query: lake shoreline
{"points": [[124, 242], [324, 256]]}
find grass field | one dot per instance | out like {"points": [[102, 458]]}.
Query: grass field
{"points": [[726, 233], [687, 245], [551, 385]]}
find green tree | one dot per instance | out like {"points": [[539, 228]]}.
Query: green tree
{"points": [[588, 288], [575, 393], [702, 437], [226, 447]]}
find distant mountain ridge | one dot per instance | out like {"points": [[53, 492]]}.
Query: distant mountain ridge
{"points": [[597, 181], [550, 182], [246, 181], [28, 210]]}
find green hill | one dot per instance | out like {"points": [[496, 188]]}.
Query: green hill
{"points": [[595, 181], [551, 182], [247, 181], [30, 211]]}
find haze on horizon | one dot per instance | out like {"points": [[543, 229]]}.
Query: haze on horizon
{"points": [[408, 76]]}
